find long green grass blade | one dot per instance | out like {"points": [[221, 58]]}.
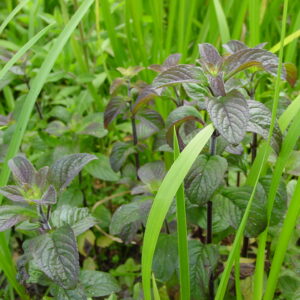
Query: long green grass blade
{"points": [[289, 39], [222, 22], [283, 241], [259, 270], [5, 258], [234, 252], [155, 289], [184, 273], [23, 50], [254, 6], [289, 114], [164, 198], [12, 15]]}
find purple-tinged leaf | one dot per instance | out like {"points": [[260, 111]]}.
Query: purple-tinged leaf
{"points": [[22, 170], [259, 122], [12, 192], [115, 106], [172, 60], [92, 125], [4, 120], [210, 58], [238, 150], [146, 95], [148, 123], [251, 57], [230, 115], [291, 73], [41, 177], [216, 84], [120, 152], [178, 74], [62, 172], [115, 84], [205, 176], [49, 197], [57, 256], [234, 46]]}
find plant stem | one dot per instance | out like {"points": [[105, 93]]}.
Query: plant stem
{"points": [[210, 219]]}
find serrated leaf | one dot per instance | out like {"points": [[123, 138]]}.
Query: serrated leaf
{"points": [[166, 254], [178, 116], [128, 217], [22, 169], [116, 83], [12, 192], [230, 115], [204, 178], [234, 46], [250, 57], [79, 219], [210, 58], [170, 61], [240, 196], [259, 122], [148, 122], [203, 260], [152, 174], [98, 284], [178, 74], [56, 255], [145, 95], [49, 197], [119, 154], [56, 128], [280, 201], [195, 91], [101, 169], [10, 215], [115, 106], [63, 171], [92, 125], [75, 294]]}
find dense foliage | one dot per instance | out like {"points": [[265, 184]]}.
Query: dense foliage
{"points": [[142, 123]]}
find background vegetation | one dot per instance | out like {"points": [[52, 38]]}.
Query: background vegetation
{"points": [[58, 74]]}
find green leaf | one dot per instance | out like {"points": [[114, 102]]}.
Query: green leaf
{"points": [[203, 261], [75, 294], [63, 171], [205, 176], [92, 125], [101, 169], [115, 106], [148, 123], [98, 284], [178, 74], [195, 91], [240, 196], [165, 257], [128, 217], [119, 154], [56, 255], [230, 115], [79, 219], [259, 122], [152, 174]]}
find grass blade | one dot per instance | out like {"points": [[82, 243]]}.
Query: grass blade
{"points": [[163, 200], [223, 26], [259, 270], [290, 38], [155, 289], [12, 14], [23, 50], [254, 10], [182, 234], [283, 241], [5, 258]]}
